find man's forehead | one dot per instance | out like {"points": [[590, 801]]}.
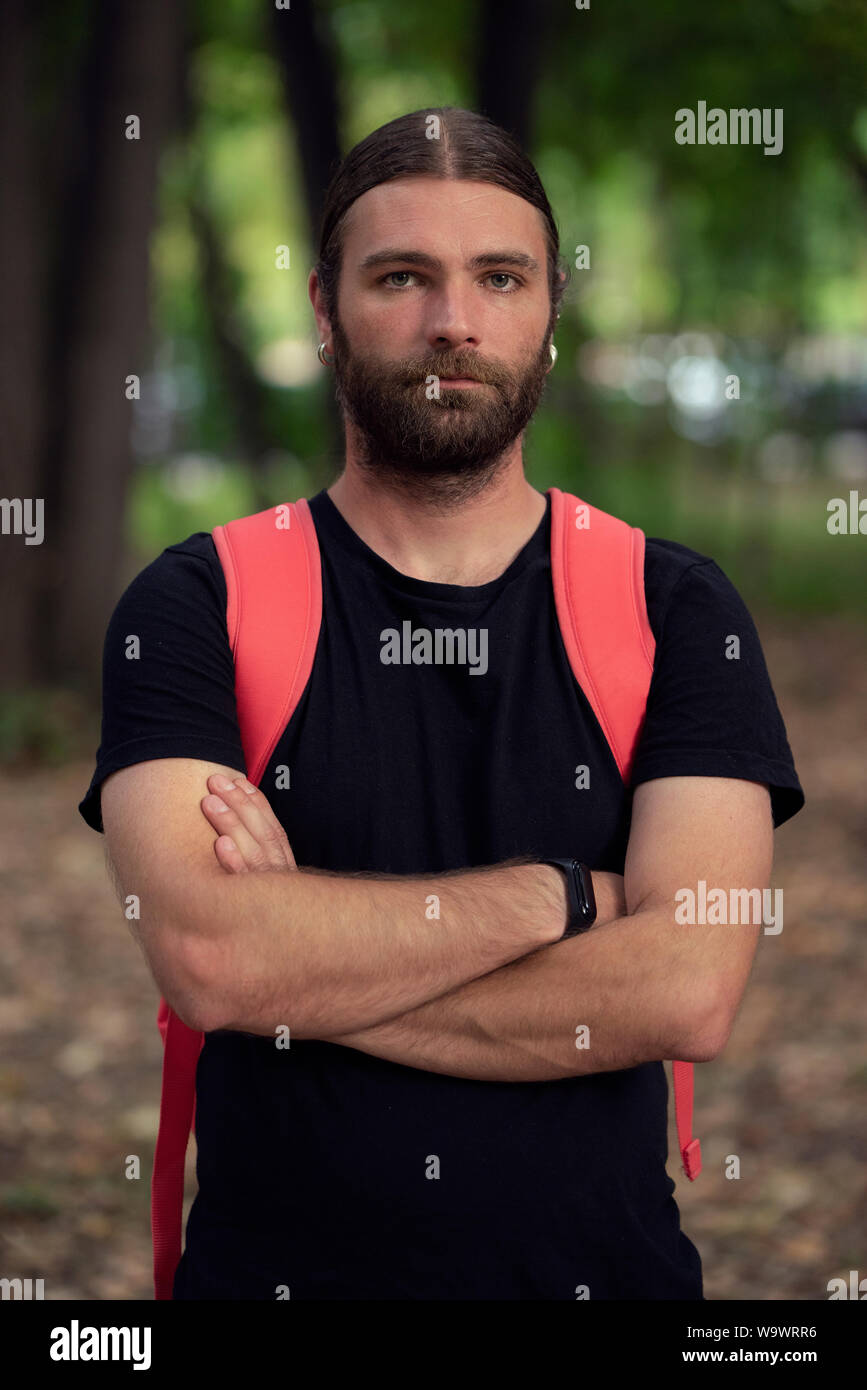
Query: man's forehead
{"points": [[436, 212]]}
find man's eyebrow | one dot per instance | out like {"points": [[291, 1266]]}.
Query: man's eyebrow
{"points": [[421, 258], [519, 258]]}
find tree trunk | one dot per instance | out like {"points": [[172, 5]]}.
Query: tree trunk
{"points": [[133, 69], [304, 50], [22, 383], [305, 55], [509, 47]]}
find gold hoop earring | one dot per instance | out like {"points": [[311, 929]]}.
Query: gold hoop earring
{"points": [[553, 354], [322, 354]]}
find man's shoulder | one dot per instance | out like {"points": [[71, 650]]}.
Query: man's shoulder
{"points": [[672, 555], [673, 570], [198, 546], [180, 595], [192, 563]]}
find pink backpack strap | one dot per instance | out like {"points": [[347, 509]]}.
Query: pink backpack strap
{"points": [[597, 568], [181, 1048], [274, 613], [273, 616]]}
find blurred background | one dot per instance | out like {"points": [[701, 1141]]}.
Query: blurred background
{"points": [[158, 375]]}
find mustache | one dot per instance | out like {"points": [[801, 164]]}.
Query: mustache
{"points": [[416, 371]]}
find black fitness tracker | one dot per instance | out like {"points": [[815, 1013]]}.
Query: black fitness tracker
{"points": [[582, 899]]}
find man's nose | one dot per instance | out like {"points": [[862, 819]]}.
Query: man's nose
{"points": [[452, 321]]}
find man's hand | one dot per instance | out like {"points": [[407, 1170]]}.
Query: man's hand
{"points": [[249, 835], [251, 838]]}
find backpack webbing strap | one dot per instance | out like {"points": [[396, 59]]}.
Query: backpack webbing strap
{"points": [[597, 570], [181, 1048], [273, 616], [690, 1148]]}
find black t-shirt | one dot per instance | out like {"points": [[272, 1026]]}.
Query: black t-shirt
{"points": [[313, 1160]]}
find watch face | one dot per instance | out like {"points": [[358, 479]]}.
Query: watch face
{"points": [[582, 900], [588, 897]]}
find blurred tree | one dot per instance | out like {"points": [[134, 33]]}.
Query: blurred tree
{"points": [[756, 247], [304, 49], [512, 37], [80, 247], [22, 333], [219, 285], [305, 52]]}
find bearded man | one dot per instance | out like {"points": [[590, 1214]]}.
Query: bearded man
{"points": [[400, 903]]}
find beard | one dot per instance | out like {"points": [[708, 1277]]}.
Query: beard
{"points": [[445, 447]]}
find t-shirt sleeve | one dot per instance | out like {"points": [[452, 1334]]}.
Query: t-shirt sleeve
{"points": [[711, 709], [168, 673]]}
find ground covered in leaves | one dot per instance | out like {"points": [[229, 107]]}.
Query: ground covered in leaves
{"points": [[80, 1055]]}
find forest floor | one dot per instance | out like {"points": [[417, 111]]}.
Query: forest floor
{"points": [[80, 1055]]}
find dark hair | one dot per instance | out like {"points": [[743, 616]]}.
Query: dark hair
{"points": [[469, 146]]}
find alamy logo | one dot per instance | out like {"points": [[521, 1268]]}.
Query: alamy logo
{"points": [[718, 907], [23, 516], [444, 646], [739, 126], [76, 1343], [837, 1288], [22, 1288]]}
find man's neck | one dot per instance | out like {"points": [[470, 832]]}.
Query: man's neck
{"points": [[469, 544]]}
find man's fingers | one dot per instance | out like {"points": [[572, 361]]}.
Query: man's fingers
{"points": [[229, 857], [248, 819], [227, 823]]}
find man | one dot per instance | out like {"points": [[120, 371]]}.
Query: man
{"points": [[433, 1132]]}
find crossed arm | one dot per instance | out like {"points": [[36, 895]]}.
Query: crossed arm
{"points": [[486, 991]]}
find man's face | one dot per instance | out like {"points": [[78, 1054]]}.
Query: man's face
{"points": [[441, 330]]}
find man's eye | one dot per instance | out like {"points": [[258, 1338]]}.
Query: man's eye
{"points": [[504, 275], [507, 283]]}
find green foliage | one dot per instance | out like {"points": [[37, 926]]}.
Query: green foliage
{"points": [[761, 252], [43, 726], [28, 1199]]}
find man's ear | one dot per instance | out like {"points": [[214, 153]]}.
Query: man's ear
{"points": [[323, 322]]}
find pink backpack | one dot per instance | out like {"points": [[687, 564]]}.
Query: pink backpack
{"points": [[597, 564]]}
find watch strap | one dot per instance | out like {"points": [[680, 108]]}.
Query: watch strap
{"points": [[582, 899]]}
